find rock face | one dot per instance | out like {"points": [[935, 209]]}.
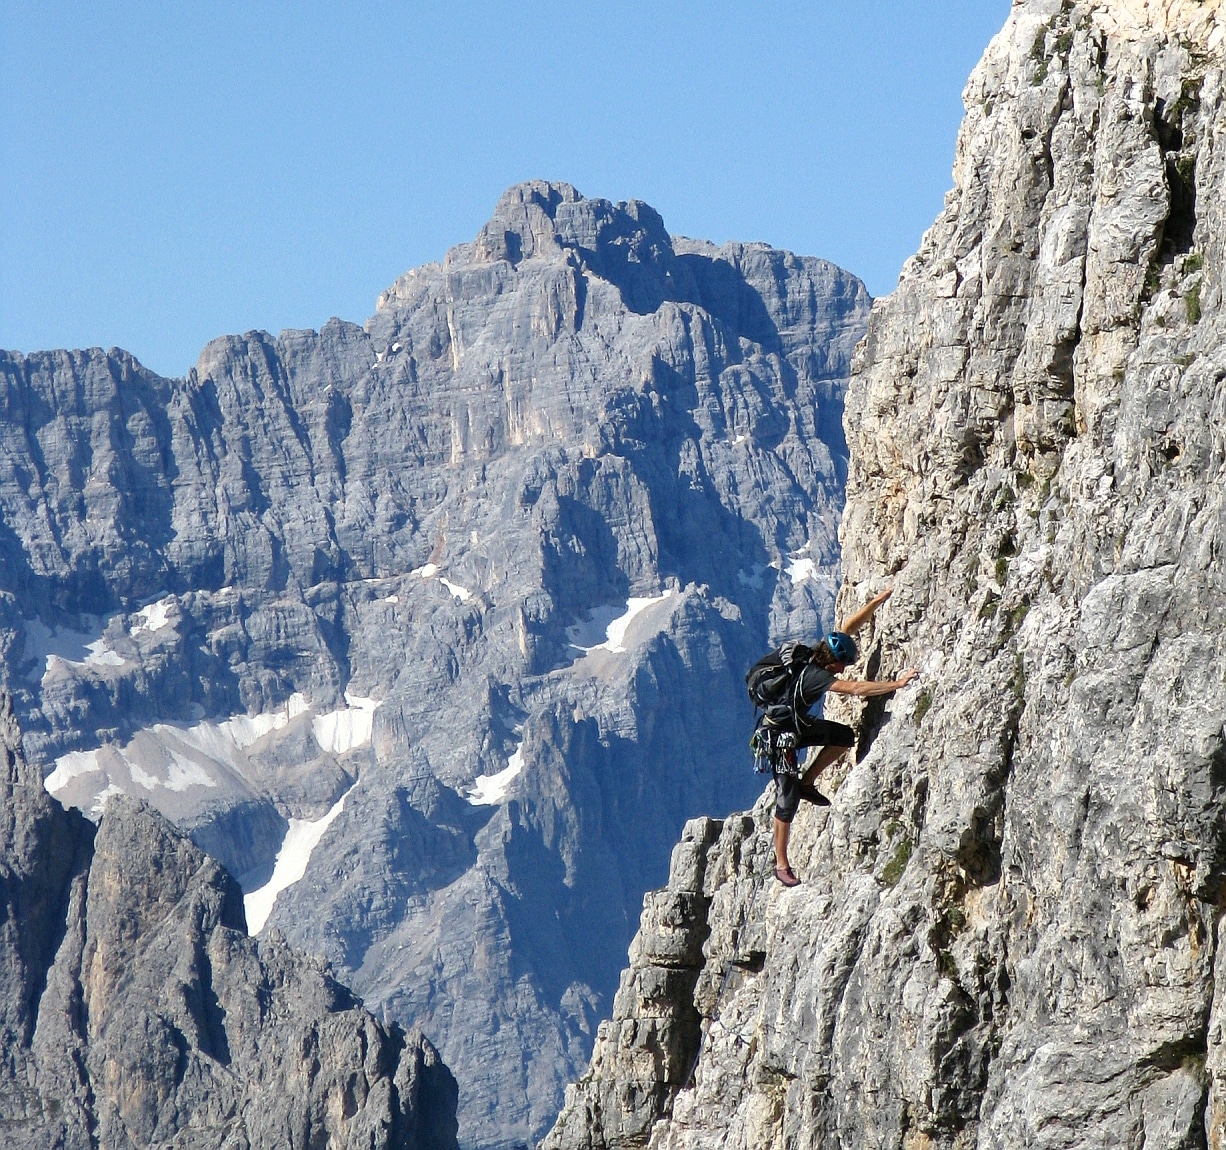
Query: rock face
{"points": [[137, 1012], [1009, 932], [451, 611], [681, 1008]]}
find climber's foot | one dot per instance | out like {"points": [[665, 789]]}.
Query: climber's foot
{"points": [[787, 876]]}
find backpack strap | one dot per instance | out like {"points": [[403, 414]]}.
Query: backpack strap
{"points": [[797, 700]]}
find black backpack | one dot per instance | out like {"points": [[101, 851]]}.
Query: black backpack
{"points": [[773, 683]]}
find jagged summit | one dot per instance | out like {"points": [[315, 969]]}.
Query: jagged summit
{"points": [[539, 218], [551, 221], [625, 244], [136, 1012]]}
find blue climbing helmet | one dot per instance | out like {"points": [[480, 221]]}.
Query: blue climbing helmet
{"points": [[842, 646]]}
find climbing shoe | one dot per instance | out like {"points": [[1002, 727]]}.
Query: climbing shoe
{"points": [[787, 876], [811, 794]]}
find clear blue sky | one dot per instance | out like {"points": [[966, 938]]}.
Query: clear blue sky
{"points": [[175, 172]]}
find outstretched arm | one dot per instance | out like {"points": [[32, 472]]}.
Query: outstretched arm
{"points": [[866, 612], [866, 688]]}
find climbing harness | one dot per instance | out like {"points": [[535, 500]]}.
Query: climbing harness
{"points": [[773, 750]]}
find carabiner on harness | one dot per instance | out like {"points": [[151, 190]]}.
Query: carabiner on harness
{"points": [[773, 750]]}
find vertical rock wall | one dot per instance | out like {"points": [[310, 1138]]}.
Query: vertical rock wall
{"points": [[1009, 930]]}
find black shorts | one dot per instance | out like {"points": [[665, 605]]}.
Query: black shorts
{"points": [[825, 733], [814, 733]]}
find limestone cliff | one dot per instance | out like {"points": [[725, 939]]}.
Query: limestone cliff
{"points": [[1009, 932]]}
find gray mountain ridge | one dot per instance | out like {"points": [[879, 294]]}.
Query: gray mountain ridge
{"points": [[137, 1013], [466, 595], [1009, 931]]}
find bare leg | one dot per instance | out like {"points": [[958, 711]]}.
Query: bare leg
{"points": [[782, 830], [821, 761]]}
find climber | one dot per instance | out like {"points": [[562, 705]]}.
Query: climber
{"points": [[793, 727]]}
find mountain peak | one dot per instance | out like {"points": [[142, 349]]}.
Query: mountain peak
{"points": [[543, 218]]}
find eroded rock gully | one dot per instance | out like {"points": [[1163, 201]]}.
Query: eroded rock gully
{"points": [[1009, 933]]}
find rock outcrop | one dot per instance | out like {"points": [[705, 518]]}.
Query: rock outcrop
{"points": [[1009, 932], [138, 1013], [463, 597]]}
